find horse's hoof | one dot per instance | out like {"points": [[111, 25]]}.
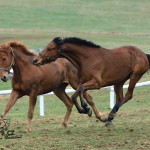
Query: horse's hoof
{"points": [[82, 111], [108, 124], [28, 130], [62, 126], [1, 120], [89, 113]]}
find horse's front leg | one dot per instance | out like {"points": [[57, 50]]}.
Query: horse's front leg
{"points": [[92, 84], [32, 103], [84, 105], [12, 100]]}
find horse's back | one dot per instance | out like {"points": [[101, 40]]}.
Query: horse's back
{"points": [[129, 51]]}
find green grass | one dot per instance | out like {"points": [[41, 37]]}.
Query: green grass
{"points": [[76, 15], [130, 129], [110, 23], [41, 21]]}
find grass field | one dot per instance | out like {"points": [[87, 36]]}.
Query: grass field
{"points": [[110, 23], [130, 130]]}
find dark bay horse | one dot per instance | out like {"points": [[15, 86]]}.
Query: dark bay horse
{"points": [[98, 67], [33, 81]]}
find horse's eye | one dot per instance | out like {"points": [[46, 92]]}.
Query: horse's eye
{"points": [[48, 48], [4, 59]]}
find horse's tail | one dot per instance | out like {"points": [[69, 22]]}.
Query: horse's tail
{"points": [[148, 57]]}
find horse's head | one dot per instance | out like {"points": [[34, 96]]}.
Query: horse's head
{"points": [[49, 53], [6, 61]]}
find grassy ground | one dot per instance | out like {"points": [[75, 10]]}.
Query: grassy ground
{"points": [[110, 23], [130, 129]]}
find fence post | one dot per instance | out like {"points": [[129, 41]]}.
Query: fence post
{"points": [[41, 105], [112, 99]]}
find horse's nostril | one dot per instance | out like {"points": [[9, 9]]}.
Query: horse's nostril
{"points": [[4, 78], [34, 61]]}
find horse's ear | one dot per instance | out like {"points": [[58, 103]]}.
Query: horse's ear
{"points": [[12, 44], [58, 40], [53, 45]]}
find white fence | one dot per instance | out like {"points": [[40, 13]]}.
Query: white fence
{"points": [[112, 95]]}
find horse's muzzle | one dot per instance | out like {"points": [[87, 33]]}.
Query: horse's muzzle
{"points": [[37, 63], [4, 79], [7, 77], [34, 61]]}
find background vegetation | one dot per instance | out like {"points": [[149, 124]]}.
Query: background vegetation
{"points": [[110, 23]]}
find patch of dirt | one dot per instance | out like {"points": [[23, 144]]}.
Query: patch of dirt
{"points": [[131, 112], [14, 38], [36, 37]]}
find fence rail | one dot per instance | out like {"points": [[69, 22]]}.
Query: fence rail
{"points": [[112, 95]]}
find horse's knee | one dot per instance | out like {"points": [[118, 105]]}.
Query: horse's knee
{"points": [[69, 106], [69, 109], [80, 88]]}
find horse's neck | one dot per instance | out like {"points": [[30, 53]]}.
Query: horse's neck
{"points": [[74, 60], [21, 61], [79, 55], [73, 57]]}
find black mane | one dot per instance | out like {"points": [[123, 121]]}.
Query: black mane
{"points": [[76, 41]]}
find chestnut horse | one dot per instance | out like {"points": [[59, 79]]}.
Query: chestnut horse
{"points": [[33, 81], [99, 67]]}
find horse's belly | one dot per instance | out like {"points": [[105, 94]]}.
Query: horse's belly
{"points": [[47, 87], [112, 79]]}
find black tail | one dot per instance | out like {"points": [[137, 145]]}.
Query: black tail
{"points": [[148, 57]]}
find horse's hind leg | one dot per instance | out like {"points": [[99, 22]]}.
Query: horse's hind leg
{"points": [[135, 77], [118, 88], [60, 93], [133, 80]]}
